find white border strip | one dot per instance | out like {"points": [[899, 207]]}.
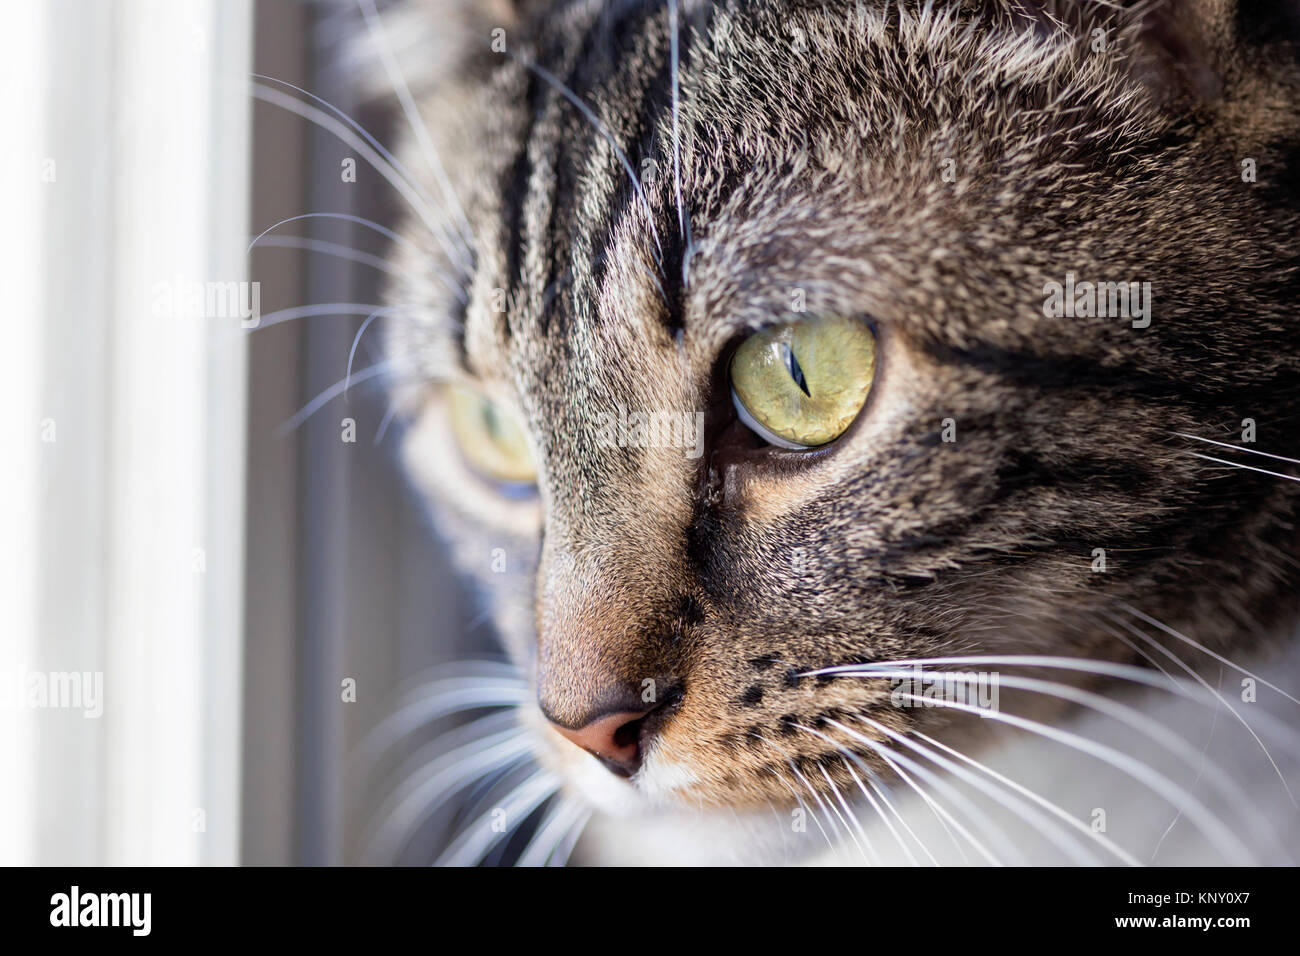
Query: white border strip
{"points": [[123, 548]]}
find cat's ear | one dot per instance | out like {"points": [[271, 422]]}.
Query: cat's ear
{"points": [[1194, 52], [1187, 53], [1181, 49], [430, 42]]}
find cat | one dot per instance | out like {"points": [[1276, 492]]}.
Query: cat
{"points": [[832, 234]]}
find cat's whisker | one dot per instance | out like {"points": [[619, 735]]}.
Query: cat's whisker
{"points": [[1209, 738], [1241, 448], [1125, 672], [425, 759], [795, 793], [374, 23], [335, 249], [674, 66], [330, 393], [875, 857], [1217, 696], [1051, 829], [683, 215], [902, 821], [564, 849], [342, 216], [562, 88], [831, 812], [1205, 650], [1152, 729], [849, 758], [394, 163], [939, 812], [420, 795], [950, 793], [780, 828], [352, 122], [347, 252], [877, 807], [865, 847], [552, 831], [481, 835], [484, 792], [1236, 464], [467, 669], [406, 190], [806, 809], [439, 700], [433, 756], [1142, 653], [1214, 722], [296, 312], [356, 340], [1279, 731], [389, 414], [821, 801], [1214, 829], [481, 797], [780, 823], [845, 752], [655, 279], [1040, 800]]}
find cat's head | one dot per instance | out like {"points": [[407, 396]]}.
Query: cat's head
{"points": [[836, 334]]}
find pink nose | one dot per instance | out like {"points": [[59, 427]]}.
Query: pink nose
{"points": [[615, 738]]}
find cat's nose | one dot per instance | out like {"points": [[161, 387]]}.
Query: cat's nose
{"points": [[615, 737]]}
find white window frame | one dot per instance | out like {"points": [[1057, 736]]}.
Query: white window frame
{"points": [[126, 555]]}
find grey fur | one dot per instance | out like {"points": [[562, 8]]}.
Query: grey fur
{"points": [[812, 147]]}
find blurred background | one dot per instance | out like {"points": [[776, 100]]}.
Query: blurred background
{"points": [[215, 580]]}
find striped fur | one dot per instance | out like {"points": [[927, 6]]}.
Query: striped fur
{"points": [[809, 153]]}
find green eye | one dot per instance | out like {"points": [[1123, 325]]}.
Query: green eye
{"points": [[801, 384], [489, 438]]}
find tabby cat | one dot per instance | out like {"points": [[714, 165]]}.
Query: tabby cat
{"points": [[864, 421]]}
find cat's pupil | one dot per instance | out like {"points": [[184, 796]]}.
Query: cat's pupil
{"points": [[796, 371]]}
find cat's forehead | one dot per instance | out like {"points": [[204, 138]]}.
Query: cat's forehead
{"points": [[798, 159]]}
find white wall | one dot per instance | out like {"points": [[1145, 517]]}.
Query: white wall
{"points": [[123, 176]]}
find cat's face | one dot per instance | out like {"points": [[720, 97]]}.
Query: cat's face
{"points": [[1012, 477]]}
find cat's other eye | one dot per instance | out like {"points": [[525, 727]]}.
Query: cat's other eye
{"points": [[491, 440], [801, 384]]}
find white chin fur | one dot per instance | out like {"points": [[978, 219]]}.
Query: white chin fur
{"points": [[603, 791], [662, 780]]}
